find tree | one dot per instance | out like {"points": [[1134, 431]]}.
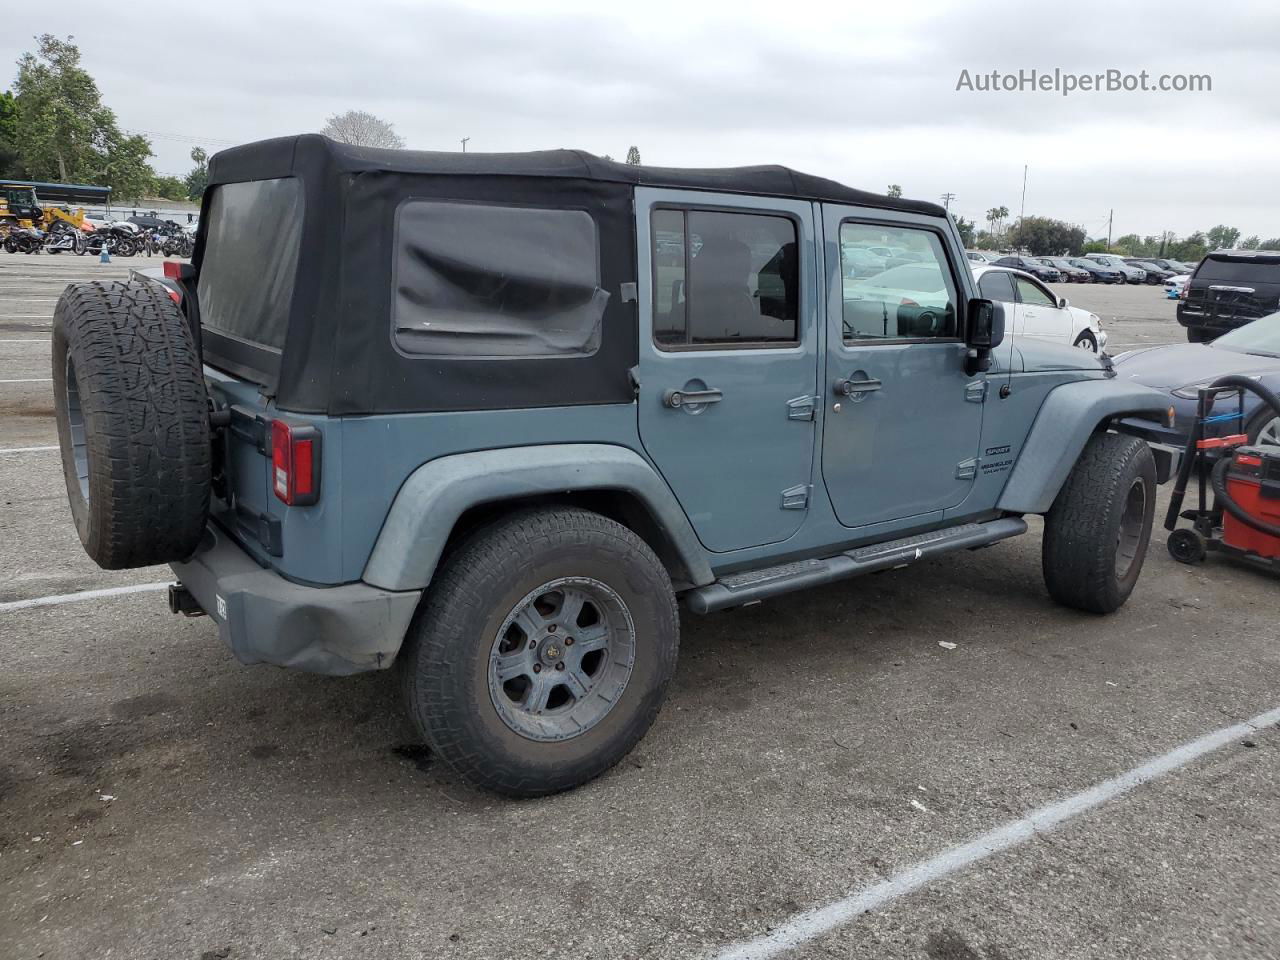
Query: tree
{"points": [[966, 228], [1252, 243], [1222, 237], [894, 191], [63, 130], [1190, 250], [995, 218], [8, 135], [1043, 236], [633, 156], [198, 178], [362, 129], [1272, 244], [168, 188]]}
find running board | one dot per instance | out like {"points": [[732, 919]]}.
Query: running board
{"points": [[751, 586]]}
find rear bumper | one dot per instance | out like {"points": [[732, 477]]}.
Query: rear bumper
{"points": [[265, 618]]}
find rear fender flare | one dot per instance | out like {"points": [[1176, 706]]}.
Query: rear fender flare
{"points": [[1068, 417], [436, 494]]}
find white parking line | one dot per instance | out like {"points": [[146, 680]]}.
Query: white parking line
{"points": [[27, 449], [83, 595], [32, 380], [30, 340], [811, 924]]}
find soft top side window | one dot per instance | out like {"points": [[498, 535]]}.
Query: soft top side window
{"points": [[480, 281]]}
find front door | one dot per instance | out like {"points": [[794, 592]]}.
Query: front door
{"points": [[728, 359], [903, 422]]}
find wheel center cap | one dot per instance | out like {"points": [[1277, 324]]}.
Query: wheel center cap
{"points": [[552, 651]]}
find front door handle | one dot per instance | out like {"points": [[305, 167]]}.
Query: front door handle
{"points": [[675, 399], [847, 388]]}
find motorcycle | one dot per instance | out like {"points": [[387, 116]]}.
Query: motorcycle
{"points": [[180, 243], [69, 239], [118, 237], [25, 240]]}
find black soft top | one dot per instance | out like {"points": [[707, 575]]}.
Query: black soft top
{"points": [[339, 356], [265, 158]]}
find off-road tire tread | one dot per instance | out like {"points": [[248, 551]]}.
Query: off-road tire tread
{"points": [[146, 414], [1078, 553], [455, 604]]}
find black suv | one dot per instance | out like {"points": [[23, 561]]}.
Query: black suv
{"points": [[1229, 289]]}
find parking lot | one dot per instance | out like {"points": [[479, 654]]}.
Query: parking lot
{"points": [[158, 800]]}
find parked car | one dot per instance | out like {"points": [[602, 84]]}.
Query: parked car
{"points": [[1070, 273], [1131, 273], [982, 256], [1229, 289], [1180, 369], [1175, 287], [1097, 271], [501, 486], [1174, 266], [1030, 265], [1155, 273], [860, 262], [1037, 312]]}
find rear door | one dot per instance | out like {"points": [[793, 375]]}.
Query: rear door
{"points": [[728, 359], [901, 435]]}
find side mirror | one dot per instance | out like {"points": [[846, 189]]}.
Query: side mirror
{"points": [[1063, 303], [983, 333]]}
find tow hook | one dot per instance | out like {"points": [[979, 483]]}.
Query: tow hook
{"points": [[183, 601]]}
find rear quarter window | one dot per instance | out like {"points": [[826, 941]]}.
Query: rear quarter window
{"points": [[481, 281]]}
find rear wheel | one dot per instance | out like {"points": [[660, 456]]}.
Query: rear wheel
{"points": [[1097, 531], [1186, 546], [133, 423], [1197, 335], [542, 651]]}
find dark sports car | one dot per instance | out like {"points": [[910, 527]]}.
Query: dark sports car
{"points": [[1179, 369]]}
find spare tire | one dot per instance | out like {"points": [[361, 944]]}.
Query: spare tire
{"points": [[133, 423]]}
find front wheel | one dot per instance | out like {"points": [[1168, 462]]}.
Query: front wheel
{"points": [[542, 651], [1097, 531], [1086, 341]]}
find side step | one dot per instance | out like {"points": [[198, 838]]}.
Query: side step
{"points": [[754, 585]]}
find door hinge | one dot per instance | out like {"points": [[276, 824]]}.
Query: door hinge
{"points": [[976, 391], [801, 408], [797, 497], [967, 469]]}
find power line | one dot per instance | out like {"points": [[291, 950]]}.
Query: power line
{"points": [[180, 136]]}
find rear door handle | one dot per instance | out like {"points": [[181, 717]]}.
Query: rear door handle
{"points": [[675, 399], [847, 388]]}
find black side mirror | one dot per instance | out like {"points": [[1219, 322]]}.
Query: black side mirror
{"points": [[983, 333]]}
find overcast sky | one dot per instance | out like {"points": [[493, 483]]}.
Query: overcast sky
{"points": [[864, 93]]}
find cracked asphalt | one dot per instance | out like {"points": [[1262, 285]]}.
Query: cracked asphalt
{"points": [[158, 800]]}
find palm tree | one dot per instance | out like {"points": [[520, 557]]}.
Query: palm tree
{"points": [[996, 216]]}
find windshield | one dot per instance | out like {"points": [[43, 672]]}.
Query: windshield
{"points": [[1260, 337]]}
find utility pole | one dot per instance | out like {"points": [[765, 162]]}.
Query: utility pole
{"points": [[1022, 211], [464, 144], [1110, 214], [946, 200]]}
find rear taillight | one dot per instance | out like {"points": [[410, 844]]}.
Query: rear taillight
{"points": [[295, 463]]}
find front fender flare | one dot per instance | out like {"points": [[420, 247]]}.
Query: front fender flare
{"points": [[1067, 418], [439, 492]]}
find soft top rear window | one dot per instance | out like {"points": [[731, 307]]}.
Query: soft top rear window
{"points": [[253, 235], [1233, 271]]}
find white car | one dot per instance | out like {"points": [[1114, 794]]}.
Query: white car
{"points": [[1037, 312], [1131, 273], [982, 257], [1175, 287]]}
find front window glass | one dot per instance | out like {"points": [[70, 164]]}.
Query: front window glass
{"points": [[913, 297], [997, 285]]}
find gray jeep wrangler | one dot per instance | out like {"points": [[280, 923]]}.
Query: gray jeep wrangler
{"points": [[487, 418]]}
